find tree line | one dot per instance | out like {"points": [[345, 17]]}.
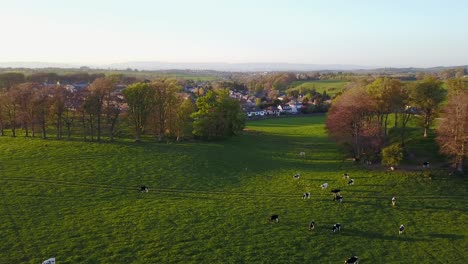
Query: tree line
{"points": [[370, 118], [155, 108]]}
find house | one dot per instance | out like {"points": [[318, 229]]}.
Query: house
{"points": [[271, 111], [286, 109], [254, 111]]}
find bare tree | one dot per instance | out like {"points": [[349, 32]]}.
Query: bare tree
{"points": [[452, 130]]}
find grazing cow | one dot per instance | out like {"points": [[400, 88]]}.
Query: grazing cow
{"points": [[345, 175], [306, 196], [352, 260], [402, 228], [324, 186], [302, 154], [144, 188], [273, 218], [336, 227], [426, 164], [335, 192], [296, 176], [351, 182], [393, 200], [311, 225], [338, 198]]}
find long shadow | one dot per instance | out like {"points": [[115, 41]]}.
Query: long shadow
{"points": [[374, 235]]}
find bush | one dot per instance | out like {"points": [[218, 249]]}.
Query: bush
{"points": [[392, 155]]}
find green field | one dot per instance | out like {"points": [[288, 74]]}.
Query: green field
{"points": [[332, 87], [209, 202]]}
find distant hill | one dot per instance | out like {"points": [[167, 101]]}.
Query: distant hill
{"points": [[227, 67], [236, 67]]}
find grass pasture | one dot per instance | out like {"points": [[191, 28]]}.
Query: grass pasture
{"points": [[332, 87], [209, 202]]}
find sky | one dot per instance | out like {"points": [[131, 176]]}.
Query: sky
{"points": [[388, 33]]}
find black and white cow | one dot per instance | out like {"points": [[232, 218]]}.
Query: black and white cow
{"points": [[402, 228], [338, 198], [306, 196], [274, 218], [296, 176], [336, 227], [352, 260], [324, 186], [345, 176], [311, 225], [351, 182], [426, 164], [144, 188], [393, 200], [336, 192]]}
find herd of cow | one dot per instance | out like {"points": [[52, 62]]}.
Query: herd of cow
{"points": [[337, 197]]}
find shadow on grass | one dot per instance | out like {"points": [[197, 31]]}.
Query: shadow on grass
{"points": [[374, 235]]}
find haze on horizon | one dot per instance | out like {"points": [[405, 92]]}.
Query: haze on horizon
{"points": [[372, 33]]}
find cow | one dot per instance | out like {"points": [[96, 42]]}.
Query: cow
{"points": [[402, 228], [345, 175], [426, 165], [338, 198], [296, 176], [311, 225], [302, 154], [393, 200], [324, 186], [352, 260], [144, 188], [351, 182], [273, 218], [336, 227], [335, 192], [306, 196]]}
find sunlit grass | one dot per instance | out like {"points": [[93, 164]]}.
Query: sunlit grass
{"points": [[209, 202]]}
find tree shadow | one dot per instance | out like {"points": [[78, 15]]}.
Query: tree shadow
{"points": [[375, 235]]}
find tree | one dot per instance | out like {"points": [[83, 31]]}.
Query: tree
{"points": [[388, 96], [57, 105], [41, 102], [139, 99], [452, 130], [10, 107], [23, 96], [350, 122], [182, 125], [218, 116], [10, 79], [427, 95], [99, 89], [392, 155], [164, 101]]}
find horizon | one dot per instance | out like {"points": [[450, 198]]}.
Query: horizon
{"points": [[420, 34]]}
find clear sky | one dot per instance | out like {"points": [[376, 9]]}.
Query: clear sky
{"points": [[372, 32]]}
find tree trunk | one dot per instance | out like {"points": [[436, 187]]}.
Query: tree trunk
{"points": [[26, 131], [44, 133], [396, 120], [99, 126], [33, 133], [137, 135], [68, 124], [59, 127]]}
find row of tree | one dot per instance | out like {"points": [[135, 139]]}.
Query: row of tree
{"points": [[359, 119], [156, 108]]}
